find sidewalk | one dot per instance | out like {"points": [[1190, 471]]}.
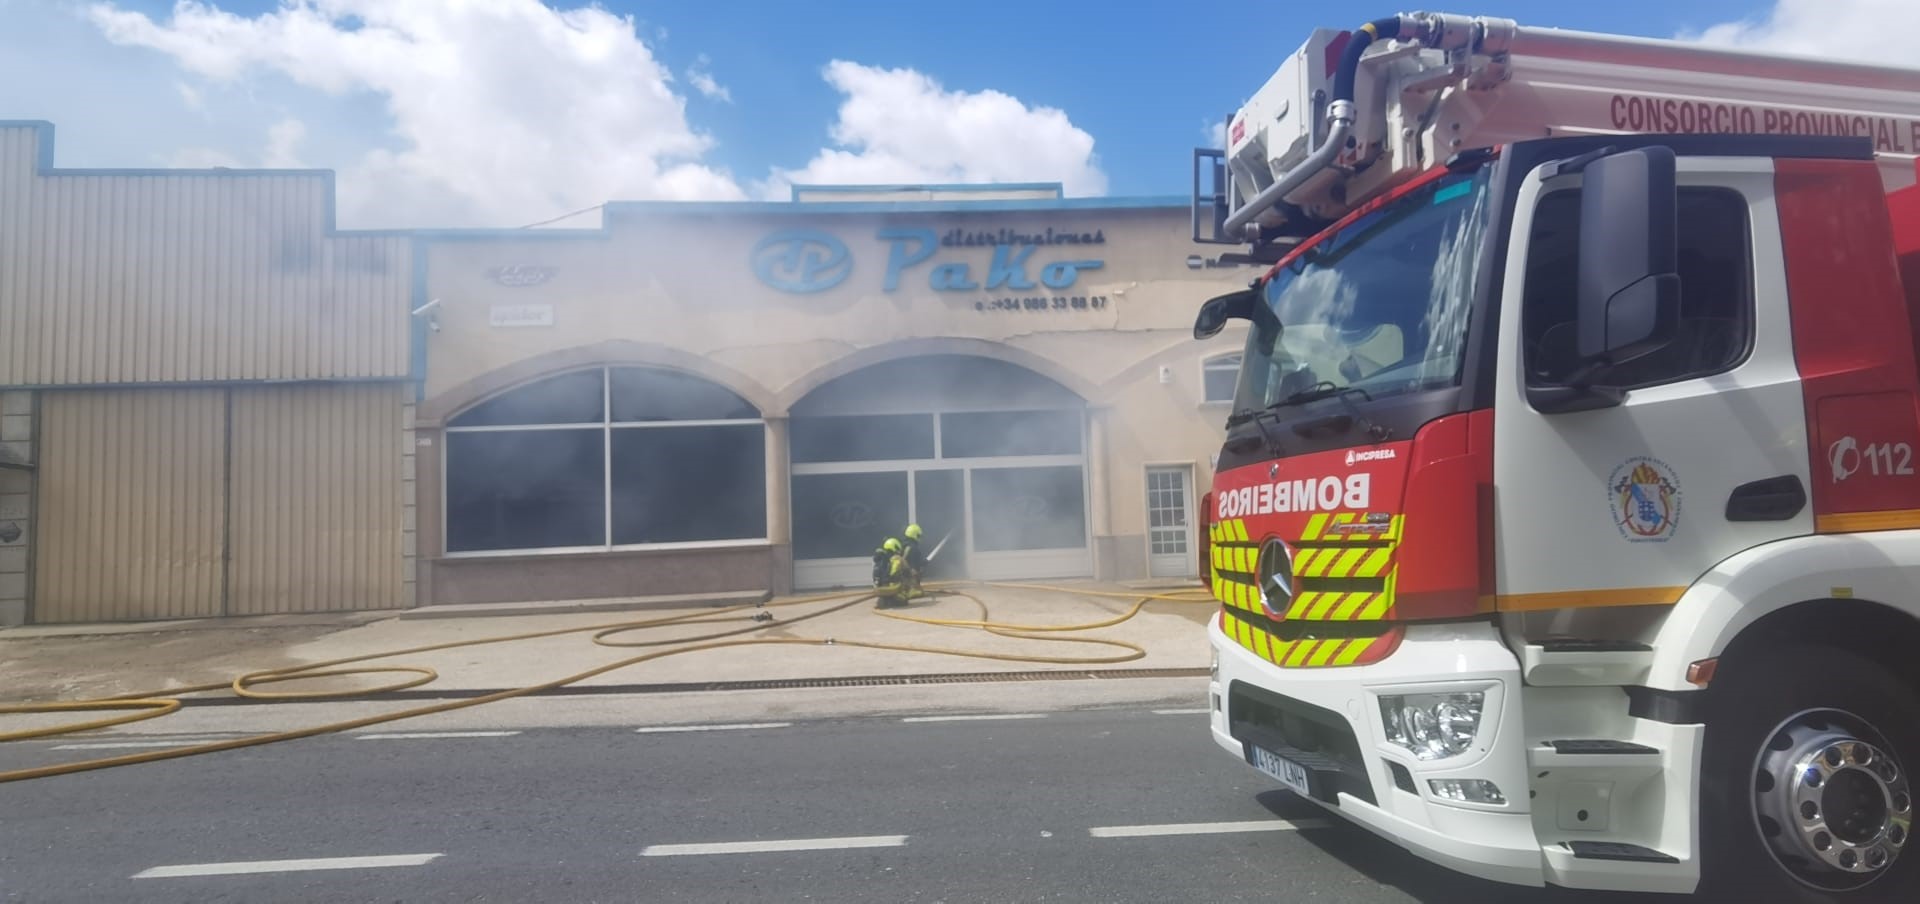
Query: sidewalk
{"points": [[67, 663]]}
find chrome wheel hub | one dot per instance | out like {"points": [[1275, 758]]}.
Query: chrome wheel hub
{"points": [[1831, 800]]}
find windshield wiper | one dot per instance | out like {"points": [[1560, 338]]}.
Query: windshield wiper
{"points": [[1260, 419], [1326, 389]]}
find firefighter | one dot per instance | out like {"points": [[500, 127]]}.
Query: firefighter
{"points": [[915, 559], [889, 571]]}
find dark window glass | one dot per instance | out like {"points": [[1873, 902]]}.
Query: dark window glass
{"points": [[847, 515], [570, 398], [525, 489], [686, 484], [1716, 295], [650, 394], [1029, 508], [992, 433], [1220, 375], [877, 437]]}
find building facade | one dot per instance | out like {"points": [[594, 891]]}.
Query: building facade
{"points": [[218, 404]]}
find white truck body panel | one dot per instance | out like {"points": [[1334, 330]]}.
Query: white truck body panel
{"points": [[1556, 506], [1417, 106]]}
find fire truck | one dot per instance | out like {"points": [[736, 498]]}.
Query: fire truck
{"points": [[1566, 530]]}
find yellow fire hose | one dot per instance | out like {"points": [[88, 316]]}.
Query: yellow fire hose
{"points": [[144, 705]]}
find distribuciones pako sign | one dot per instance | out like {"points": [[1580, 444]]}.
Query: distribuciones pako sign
{"points": [[1047, 263]]}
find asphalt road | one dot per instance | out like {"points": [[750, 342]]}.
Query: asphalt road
{"points": [[883, 809]]}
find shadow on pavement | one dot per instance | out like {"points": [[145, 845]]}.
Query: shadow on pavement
{"points": [[1389, 864]]}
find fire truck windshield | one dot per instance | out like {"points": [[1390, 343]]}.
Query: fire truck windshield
{"points": [[1381, 306]]}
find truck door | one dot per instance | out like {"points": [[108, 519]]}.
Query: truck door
{"points": [[1628, 505]]}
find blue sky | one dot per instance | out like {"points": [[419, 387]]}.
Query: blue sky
{"points": [[438, 112]]}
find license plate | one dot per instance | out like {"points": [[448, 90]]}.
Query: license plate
{"points": [[1288, 772]]}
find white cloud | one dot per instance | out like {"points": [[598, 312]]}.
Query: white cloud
{"points": [[1864, 30], [699, 76], [1214, 134], [899, 126], [498, 113], [473, 112]]}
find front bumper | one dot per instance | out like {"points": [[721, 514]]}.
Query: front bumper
{"points": [[1328, 720]]}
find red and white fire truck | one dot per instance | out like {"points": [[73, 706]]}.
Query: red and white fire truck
{"points": [[1567, 526]]}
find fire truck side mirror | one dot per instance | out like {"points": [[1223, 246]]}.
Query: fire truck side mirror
{"points": [[1215, 313], [1629, 300]]}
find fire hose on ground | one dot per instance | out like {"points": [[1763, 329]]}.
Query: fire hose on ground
{"points": [[140, 706]]}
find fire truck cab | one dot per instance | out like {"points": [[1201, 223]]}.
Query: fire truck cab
{"points": [[1567, 527]]}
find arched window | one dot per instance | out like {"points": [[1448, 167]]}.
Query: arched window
{"points": [[610, 457], [1218, 376]]}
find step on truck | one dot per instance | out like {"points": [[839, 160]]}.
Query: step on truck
{"points": [[1566, 530]]}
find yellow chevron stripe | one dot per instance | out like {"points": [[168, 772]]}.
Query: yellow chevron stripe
{"points": [[1378, 608], [1395, 526], [1303, 562], [1260, 645], [1237, 531], [1348, 559], [1303, 603], [1354, 651], [1315, 525], [1376, 562], [1325, 605], [1353, 603], [1301, 650], [1323, 654]]}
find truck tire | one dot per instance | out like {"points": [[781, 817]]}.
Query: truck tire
{"points": [[1802, 735]]}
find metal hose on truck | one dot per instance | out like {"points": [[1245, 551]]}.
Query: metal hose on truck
{"points": [[140, 706]]}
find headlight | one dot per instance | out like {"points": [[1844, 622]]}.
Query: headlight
{"points": [[1433, 726]]}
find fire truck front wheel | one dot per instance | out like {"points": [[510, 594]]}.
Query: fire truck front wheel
{"points": [[1806, 795]]}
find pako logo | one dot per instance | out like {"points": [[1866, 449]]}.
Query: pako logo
{"points": [[801, 260]]}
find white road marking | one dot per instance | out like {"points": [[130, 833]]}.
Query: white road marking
{"points": [[431, 735], [738, 726], [1206, 828], [980, 718], [243, 867], [761, 847], [1201, 711]]}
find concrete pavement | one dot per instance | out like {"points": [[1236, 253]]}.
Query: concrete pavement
{"points": [[60, 662], [1116, 805]]}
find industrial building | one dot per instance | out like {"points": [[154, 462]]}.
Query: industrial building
{"points": [[217, 403]]}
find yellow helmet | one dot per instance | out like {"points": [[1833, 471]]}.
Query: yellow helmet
{"points": [[913, 531], [892, 545]]}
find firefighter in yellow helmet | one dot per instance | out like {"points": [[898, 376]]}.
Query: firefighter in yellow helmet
{"points": [[889, 571], [915, 560]]}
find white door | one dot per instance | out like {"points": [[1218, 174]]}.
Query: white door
{"points": [[1169, 523], [1629, 504]]}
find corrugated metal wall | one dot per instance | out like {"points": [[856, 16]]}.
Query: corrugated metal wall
{"points": [[183, 503], [130, 505], [135, 278], [316, 499]]}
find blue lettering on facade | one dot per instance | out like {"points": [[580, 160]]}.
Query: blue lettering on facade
{"points": [[1061, 274], [951, 278], [1010, 267], [811, 260], [801, 260], [900, 256]]}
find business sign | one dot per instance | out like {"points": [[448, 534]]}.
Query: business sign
{"points": [[521, 276], [508, 315], [1038, 264]]}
